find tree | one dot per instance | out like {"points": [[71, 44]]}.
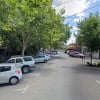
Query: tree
{"points": [[67, 32], [20, 21], [30, 23], [89, 33]]}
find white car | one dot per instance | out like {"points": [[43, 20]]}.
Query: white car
{"points": [[47, 56], [77, 54], [26, 63], [40, 59], [9, 74]]}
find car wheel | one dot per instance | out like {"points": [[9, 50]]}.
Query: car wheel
{"points": [[80, 56], [25, 69], [45, 61], [13, 80]]}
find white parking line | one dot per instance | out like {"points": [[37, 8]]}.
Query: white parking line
{"points": [[23, 90], [98, 82]]}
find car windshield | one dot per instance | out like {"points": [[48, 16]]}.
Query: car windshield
{"points": [[27, 58], [41, 56]]}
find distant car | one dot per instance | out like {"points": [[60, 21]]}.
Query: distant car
{"points": [[70, 51], [54, 52], [40, 59], [47, 56], [50, 54], [77, 54], [26, 63], [9, 74]]}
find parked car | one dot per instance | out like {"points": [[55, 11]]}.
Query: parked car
{"points": [[47, 56], [9, 74], [26, 63], [40, 59], [54, 52], [77, 54], [71, 53], [50, 53]]}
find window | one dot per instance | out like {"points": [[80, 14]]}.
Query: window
{"points": [[11, 61], [19, 60], [1, 69], [5, 68], [27, 58], [41, 56]]}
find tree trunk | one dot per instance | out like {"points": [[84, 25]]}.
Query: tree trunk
{"points": [[23, 51], [91, 57]]}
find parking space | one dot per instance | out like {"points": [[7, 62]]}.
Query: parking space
{"points": [[27, 82]]}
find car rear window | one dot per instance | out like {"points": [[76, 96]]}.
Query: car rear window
{"points": [[27, 58], [5, 68]]}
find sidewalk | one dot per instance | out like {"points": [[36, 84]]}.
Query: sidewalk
{"points": [[87, 59]]}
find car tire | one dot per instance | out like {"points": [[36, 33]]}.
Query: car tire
{"points": [[13, 80], [45, 61], [25, 69], [81, 57]]}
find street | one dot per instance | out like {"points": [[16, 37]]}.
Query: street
{"points": [[62, 78]]}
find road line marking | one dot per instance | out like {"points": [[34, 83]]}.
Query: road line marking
{"points": [[98, 82], [23, 90]]}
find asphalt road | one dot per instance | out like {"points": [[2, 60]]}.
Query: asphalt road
{"points": [[62, 78]]}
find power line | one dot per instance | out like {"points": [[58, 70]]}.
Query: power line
{"points": [[84, 10]]}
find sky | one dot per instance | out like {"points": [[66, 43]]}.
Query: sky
{"points": [[74, 11]]}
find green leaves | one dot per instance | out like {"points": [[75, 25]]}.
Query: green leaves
{"points": [[30, 23], [89, 34]]}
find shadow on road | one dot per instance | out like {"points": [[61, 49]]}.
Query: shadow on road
{"points": [[58, 57], [86, 69], [3, 85]]}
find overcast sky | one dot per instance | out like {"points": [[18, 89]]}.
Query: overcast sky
{"points": [[75, 10]]}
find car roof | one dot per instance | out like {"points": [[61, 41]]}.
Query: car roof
{"points": [[20, 57], [41, 56]]}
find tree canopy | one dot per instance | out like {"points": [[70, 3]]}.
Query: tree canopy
{"points": [[89, 32], [31, 23]]}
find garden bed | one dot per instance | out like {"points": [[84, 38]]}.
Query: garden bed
{"points": [[93, 64]]}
